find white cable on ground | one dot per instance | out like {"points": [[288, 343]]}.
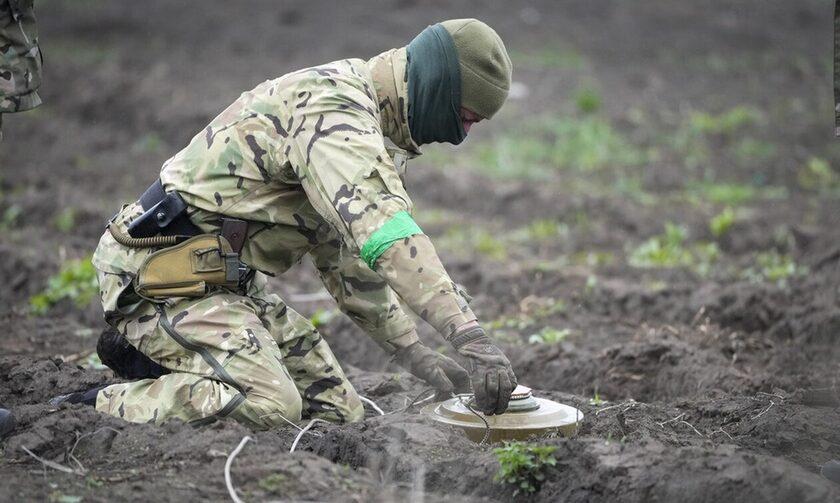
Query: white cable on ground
{"points": [[304, 430], [229, 462], [375, 407]]}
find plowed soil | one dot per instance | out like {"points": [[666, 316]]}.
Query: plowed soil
{"points": [[696, 387]]}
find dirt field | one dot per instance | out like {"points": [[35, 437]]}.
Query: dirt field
{"points": [[649, 229]]}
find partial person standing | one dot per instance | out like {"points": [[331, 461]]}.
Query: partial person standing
{"points": [[20, 58]]}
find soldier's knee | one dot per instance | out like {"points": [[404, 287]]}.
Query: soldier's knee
{"points": [[265, 412], [355, 413]]}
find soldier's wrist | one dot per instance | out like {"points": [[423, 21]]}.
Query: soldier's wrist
{"points": [[467, 335], [394, 344]]}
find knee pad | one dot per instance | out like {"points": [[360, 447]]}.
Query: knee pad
{"points": [[125, 360]]}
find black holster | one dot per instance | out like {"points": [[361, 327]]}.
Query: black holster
{"points": [[165, 214]]}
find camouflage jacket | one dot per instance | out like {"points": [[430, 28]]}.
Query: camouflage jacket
{"points": [[20, 57], [305, 159]]}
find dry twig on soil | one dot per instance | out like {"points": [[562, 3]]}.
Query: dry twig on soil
{"points": [[304, 430], [228, 481], [663, 423], [630, 403], [372, 404], [76, 444], [721, 430], [51, 464], [692, 427], [772, 403]]}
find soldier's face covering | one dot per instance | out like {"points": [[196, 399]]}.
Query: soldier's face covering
{"points": [[434, 88]]}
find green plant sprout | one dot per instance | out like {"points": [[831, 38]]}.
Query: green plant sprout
{"points": [[670, 250], [549, 335], [76, 281], [523, 465], [720, 224]]}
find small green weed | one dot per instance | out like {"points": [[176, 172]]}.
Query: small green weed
{"points": [[546, 229], [773, 267], [589, 144], [273, 483], [593, 258], [65, 221], [751, 151], [94, 482], [523, 465], [549, 335], [587, 100], [733, 194], [725, 123], [584, 144], [670, 250], [461, 239], [690, 138], [10, 217], [720, 224], [76, 281], [818, 175]]}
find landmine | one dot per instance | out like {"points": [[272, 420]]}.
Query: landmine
{"points": [[525, 416]]}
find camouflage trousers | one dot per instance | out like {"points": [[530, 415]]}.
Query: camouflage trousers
{"points": [[245, 356]]}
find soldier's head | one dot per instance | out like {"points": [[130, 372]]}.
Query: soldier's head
{"points": [[459, 73]]}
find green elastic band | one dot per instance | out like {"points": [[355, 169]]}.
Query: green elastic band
{"points": [[400, 226]]}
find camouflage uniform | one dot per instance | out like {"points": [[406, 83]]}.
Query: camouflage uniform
{"points": [[311, 160], [20, 58]]}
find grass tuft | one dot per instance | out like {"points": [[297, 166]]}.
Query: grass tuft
{"points": [[76, 281], [523, 465]]}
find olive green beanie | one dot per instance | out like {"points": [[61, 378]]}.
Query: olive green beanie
{"points": [[485, 65]]}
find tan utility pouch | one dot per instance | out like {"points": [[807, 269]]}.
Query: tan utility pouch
{"points": [[188, 268]]}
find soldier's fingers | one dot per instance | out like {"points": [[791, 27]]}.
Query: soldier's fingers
{"points": [[460, 379], [456, 373], [505, 389], [478, 388], [492, 390], [438, 379]]}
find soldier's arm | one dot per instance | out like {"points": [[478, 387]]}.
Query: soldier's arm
{"points": [[349, 178], [364, 297]]}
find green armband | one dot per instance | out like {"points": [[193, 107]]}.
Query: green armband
{"points": [[400, 226]]}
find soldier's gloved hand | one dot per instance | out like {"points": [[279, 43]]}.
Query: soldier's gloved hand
{"points": [[439, 371], [491, 376]]}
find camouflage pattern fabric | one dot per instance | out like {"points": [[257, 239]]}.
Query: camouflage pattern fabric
{"points": [[312, 161], [837, 67], [20, 57], [243, 354], [303, 158]]}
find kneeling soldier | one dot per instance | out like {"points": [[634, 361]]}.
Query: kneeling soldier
{"points": [[308, 163]]}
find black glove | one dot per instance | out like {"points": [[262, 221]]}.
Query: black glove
{"points": [[491, 376], [441, 372]]}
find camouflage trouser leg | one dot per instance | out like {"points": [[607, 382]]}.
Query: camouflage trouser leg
{"points": [[323, 387], [231, 356]]}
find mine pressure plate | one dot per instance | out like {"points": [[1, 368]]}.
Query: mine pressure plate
{"points": [[525, 416]]}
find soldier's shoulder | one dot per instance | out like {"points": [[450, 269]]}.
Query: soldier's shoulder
{"points": [[336, 75]]}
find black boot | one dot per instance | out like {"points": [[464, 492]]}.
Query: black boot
{"points": [[124, 359], [7, 422], [86, 397]]}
